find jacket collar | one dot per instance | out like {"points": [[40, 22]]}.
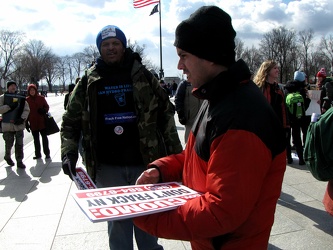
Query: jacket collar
{"points": [[226, 81]]}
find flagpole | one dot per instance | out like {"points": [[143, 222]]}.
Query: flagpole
{"points": [[161, 67]]}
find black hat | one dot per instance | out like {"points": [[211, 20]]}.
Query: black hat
{"points": [[10, 83], [208, 34], [71, 87]]}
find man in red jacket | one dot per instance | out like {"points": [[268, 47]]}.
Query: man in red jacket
{"points": [[235, 155]]}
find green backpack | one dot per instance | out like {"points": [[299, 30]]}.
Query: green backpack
{"points": [[318, 148], [295, 104]]}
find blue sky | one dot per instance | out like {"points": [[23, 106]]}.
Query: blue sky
{"points": [[67, 26]]}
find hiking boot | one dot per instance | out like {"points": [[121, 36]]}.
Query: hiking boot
{"points": [[290, 160], [36, 157], [48, 157], [9, 161], [21, 165], [301, 162]]}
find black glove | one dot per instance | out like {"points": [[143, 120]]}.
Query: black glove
{"points": [[182, 121], [41, 111], [27, 126], [19, 121], [287, 132], [13, 105], [181, 117], [69, 164]]}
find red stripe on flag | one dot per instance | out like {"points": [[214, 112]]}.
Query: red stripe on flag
{"points": [[143, 3]]}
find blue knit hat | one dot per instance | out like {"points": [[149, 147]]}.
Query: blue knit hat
{"points": [[108, 32], [299, 76]]}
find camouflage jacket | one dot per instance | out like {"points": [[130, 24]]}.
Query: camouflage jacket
{"points": [[156, 124]]}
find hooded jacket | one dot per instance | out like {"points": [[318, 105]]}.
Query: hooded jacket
{"points": [[235, 157], [37, 102]]}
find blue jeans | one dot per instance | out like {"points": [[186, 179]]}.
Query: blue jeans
{"points": [[121, 231]]}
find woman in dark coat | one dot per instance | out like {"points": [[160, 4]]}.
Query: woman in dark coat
{"points": [[36, 120]]}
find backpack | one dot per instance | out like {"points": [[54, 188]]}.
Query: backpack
{"points": [[318, 147], [295, 104]]}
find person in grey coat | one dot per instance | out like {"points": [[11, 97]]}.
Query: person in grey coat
{"points": [[15, 110], [187, 106]]}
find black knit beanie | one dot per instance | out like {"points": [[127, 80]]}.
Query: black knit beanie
{"points": [[10, 83], [208, 34]]}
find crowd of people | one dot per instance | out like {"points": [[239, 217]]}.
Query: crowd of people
{"points": [[170, 88], [24, 110], [278, 94], [226, 110]]}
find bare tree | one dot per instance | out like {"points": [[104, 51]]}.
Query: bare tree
{"points": [[141, 51], [239, 48], [79, 64], [51, 73], [33, 61], [294, 62], [315, 63], [253, 58], [69, 63], [327, 51], [279, 45], [19, 75], [305, 38], [63, 71], [90, 54], [10, 44], [37, 57]]}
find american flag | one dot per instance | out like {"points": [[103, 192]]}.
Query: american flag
{"points": [[143, 3]]}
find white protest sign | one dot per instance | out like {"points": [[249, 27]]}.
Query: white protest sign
{"points": [[116, 203]]}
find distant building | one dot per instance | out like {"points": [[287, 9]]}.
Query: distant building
{"points": [[170, 79]]}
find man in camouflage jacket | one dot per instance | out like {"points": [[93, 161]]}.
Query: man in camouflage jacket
{"points": [[126, 120]]}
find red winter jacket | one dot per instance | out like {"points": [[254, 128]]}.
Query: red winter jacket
{"points": [[36, 119], [236, 157]]}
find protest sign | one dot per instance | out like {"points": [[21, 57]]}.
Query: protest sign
{"points": [[117, 203]]}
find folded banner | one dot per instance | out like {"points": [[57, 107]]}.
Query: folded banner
{"points": [[117, 203], [51, 125], [82, 180], [16, 100]]}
